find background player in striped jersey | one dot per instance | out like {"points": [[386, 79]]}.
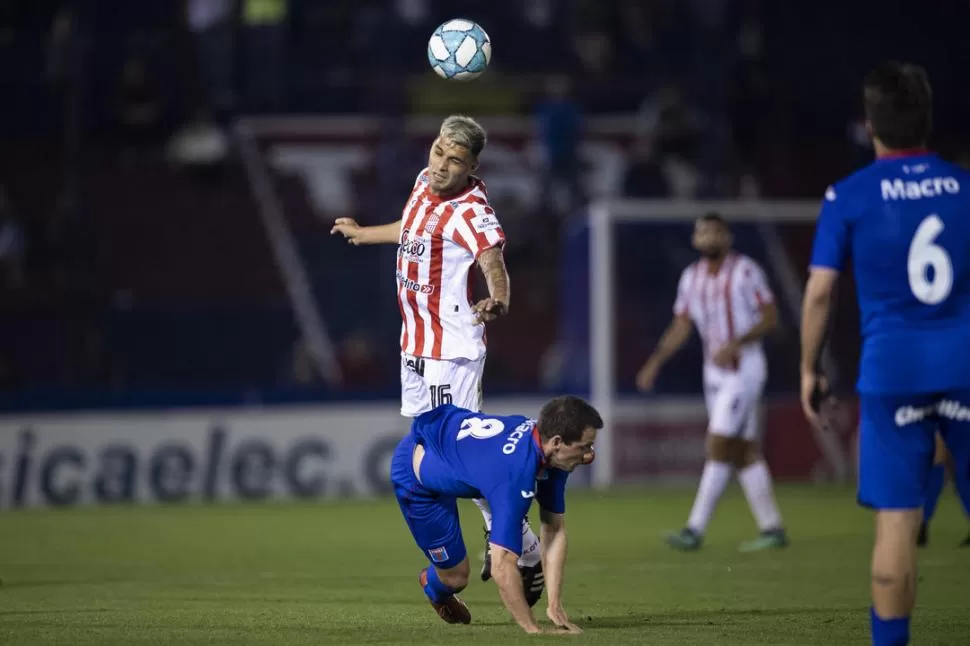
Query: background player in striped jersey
{"points": [[447, 226], [726, 296]]}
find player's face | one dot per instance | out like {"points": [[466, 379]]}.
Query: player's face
{"points": [[710, 239], [569, 456], [449, 166]]}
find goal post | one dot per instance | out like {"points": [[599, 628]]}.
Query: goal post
{"points": [[604, 216]]}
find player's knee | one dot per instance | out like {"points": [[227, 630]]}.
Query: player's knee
{"points": [[455, 578], [718, 448], [746, 453], [892, 581]]}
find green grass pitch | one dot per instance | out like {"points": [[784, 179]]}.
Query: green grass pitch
{"points": [[345, 573]]}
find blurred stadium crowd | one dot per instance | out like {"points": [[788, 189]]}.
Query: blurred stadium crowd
{"points": [[135, 267]]}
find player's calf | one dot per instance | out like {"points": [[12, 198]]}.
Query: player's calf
{"points": [[755, 479], [894, 575], [714, 480]]}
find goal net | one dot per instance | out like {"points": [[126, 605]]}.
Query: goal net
{"points": [[636, 252]]}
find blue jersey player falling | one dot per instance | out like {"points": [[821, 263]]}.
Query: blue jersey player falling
{"points": [[905, 222], [510, 461]]}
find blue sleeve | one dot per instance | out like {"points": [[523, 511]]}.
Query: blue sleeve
{"points": [[509, 503], [551, 491], [831, 234]]}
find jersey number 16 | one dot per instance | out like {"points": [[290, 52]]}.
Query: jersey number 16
{"points": [[924, 255]]}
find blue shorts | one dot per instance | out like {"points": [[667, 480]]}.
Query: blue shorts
{"points": [[431, 517], [896, 445]]}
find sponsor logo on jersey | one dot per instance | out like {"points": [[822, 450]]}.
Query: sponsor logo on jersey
{"points": [[485, 221], [413, 285], [947, 408], [411, 249], [512, 441], [898, 189]]}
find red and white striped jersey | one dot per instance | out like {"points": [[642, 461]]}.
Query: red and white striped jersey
{"points": [[440, 241], [724, 305]]}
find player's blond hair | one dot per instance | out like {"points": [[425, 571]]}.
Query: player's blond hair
{"points": [[464, 131]]}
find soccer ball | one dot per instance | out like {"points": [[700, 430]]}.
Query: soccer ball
{"points": [[459, 49]]}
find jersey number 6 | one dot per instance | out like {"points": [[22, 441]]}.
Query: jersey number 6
{"points": [[923, 255]]}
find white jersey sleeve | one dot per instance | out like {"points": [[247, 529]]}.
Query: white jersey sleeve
{"points": [[682, 303], [476, 228], [754, 285]]}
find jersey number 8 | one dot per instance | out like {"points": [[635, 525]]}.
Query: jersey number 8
{"points": [[923, 255], [480, 428]]}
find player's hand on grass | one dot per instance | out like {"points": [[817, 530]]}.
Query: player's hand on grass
{"points": [[727, 354], [647, 376], [563, 625], [489, 309], [555, 630], [349, 229]]}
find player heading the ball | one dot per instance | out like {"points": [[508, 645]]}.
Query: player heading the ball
{"points": [[446, 228], [454, 453]]}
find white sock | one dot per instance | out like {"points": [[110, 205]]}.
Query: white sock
{"points": [[482, 505], [714, 481], [756, 482], [531, 554]]}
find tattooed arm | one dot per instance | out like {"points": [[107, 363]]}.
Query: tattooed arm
{"points": [[492, 264]]}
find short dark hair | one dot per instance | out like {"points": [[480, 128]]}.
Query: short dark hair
{"points": [[567, 416], [899, 104], [714, 216]]}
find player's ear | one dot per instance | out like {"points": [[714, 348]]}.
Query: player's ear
{"points": [[474, 165]]}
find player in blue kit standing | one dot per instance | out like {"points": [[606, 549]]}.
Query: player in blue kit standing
{"points": [[454, 453], [905, 220]]}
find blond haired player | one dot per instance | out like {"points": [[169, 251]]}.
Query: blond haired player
{"points": [[726, 297], [447, 226]]}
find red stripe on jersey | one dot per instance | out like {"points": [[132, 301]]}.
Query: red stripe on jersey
{"points": [[463, 241], [434, 277], [408, 296], [481, 240], [413, 274]]}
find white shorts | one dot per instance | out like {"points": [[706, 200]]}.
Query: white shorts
{"points": [[429, 383], [734, 405]]}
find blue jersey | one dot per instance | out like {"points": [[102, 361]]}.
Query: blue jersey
{"points": [[905, 221], [476, 455]]}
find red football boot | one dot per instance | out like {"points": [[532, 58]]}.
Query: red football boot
{"points": [[452, 610]]}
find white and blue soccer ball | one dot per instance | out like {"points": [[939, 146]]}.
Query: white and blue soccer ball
{"points": [[459, 49]]}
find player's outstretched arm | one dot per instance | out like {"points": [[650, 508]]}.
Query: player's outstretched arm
{"points": [[673, 339], [815, 315], [492, 263], [357, 235], [554, 547], [505, 571]]}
